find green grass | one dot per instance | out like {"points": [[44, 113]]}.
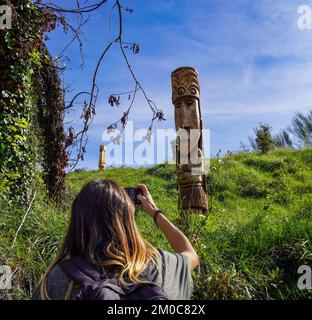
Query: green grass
{"points": [[258, 232]]}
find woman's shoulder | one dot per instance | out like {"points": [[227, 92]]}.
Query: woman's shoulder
{"points": [[175, 275]]}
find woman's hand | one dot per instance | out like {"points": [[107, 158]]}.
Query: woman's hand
{"points": [[147, 201]]}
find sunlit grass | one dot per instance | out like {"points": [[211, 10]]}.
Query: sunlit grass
{"points": [[258, 232]]}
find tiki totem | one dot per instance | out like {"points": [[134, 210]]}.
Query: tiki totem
{"points": [[102, 157], [190, 155]]}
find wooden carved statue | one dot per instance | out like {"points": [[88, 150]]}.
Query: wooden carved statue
{"points": [[102, 157], [190, 155]]}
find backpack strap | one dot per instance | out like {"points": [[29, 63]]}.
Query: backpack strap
{"points": [[93, 283], [80, 271]]}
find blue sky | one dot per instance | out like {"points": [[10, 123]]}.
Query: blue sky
{"points": [[254, 63]]}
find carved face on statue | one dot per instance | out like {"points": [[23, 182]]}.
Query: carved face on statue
{"points": [[185, 97], [187, 114], [187, 118]]}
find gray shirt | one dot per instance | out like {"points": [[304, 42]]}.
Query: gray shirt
{"points": [[174, 278]]}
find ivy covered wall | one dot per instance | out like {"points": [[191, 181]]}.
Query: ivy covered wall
{"points": [[27, 149]]}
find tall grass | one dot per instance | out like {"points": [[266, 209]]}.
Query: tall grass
{"points": [[258, 232]]}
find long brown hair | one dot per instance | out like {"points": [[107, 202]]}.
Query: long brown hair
{"points": [[103, 230]]}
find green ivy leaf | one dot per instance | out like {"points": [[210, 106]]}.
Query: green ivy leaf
{"points": [[17, 136]]}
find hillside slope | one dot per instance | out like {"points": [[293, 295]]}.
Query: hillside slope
{"points": [[258, 232]]}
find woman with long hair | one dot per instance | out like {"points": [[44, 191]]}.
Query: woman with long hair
{"points": [[103, 231]]}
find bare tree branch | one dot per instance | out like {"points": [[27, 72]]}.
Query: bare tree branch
{"points": [[80, 139], [55, 8]]}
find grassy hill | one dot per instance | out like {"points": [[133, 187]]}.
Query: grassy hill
{"points": [[258, 231]]}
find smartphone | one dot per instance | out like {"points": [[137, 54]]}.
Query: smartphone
{"points": [[133, 194]]}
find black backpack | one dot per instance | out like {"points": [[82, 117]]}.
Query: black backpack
{"points": [[97, 286]]}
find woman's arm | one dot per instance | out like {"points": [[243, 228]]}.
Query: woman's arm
{"points": [[177, 240]]}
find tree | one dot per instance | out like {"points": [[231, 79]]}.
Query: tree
{"points": [[282, 140], [263, 141], [301, 128]]}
